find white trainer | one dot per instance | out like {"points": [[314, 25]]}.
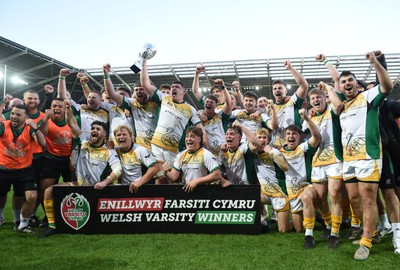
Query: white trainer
{"points": [[396, 245], [385, 231]]}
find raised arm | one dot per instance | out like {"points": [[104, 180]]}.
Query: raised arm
{"points": [[3, 104], [382, 60], [45, 122], [251, 138], [145, 80], [227, 108], [382, 74], [273, 122], [108, 85], [48, 98], [315, 134], [71, 121], [205, 138], [237, 92], [84, 80], [277, 157], [336, 102], [62, 86], [301, 92], [331, 69], [196, 82]]}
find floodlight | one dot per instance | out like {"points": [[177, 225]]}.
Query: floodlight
{"points": [[17, 80]]}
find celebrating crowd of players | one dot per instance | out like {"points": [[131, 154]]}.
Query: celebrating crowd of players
{"points": [[298, 156]]}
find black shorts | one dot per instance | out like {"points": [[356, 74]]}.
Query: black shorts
{"points": [[53, 168], [397, 181], [37, 163], [22, 180], [387, 178]]}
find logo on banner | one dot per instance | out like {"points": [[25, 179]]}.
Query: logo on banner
{"points": [[75, 210]]}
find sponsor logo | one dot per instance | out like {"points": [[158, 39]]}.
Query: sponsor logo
{"points": [[75, 210]]}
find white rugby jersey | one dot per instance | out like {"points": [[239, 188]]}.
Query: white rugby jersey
{"points": [[93, 163], [195, 165], [296, 176], [330, 149], [87, 117], [287, 114], [132, 162], [173, 120], [145, 118], [216, 128], [266, 173], [235, 165], [360, 126], [119, 117], [251, 124]]}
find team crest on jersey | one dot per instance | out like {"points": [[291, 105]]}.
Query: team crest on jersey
{"points": [[64, 137], [75, 210], [15, 150]]}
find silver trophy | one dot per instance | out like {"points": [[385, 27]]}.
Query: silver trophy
{"points": [[147, 53]]}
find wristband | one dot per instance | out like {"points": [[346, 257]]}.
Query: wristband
{"points": [[84, 84], [61, 78], [326, 61], [106, 76]]}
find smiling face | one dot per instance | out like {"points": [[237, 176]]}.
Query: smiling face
{"points": [[209, 106], [292, 138], [31, 100], [57, 106], [249, 104], [263, 135], [317, 101], [124, 138], [262, 102], [97, 135], [348, 86], [232, 138], [141, 94], [17, 117], [216, 91], [192, 142], [279, 91], [93, 101]]}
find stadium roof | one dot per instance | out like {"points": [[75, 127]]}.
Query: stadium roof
{"points": [[36, 69]]}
